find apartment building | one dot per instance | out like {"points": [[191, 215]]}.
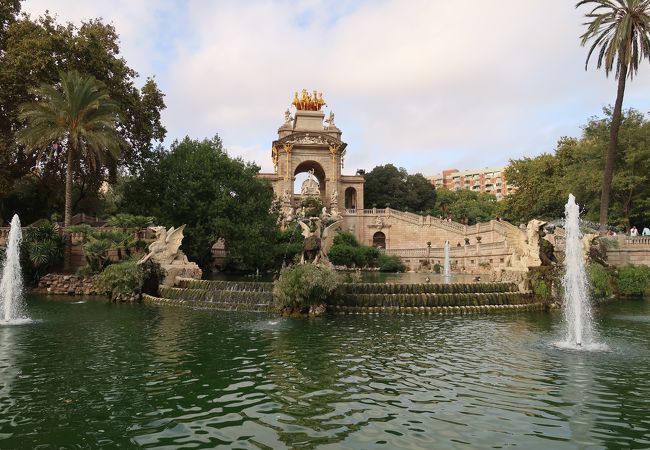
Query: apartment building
{"points": [[490, 180]]}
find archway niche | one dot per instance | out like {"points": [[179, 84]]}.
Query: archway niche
{"points": [[350, 198], [301, 177], [379, 240]]}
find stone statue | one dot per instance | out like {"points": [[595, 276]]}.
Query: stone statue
{"points": [[166, 252], [526, 246], [335, 197], [310, 185], [319, 237], [319, 233], [166, 247], [330, 120], [286, 196], [288, 121]]}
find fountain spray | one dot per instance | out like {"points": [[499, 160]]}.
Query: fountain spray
{"points": [[576, 307], [11, 283]]}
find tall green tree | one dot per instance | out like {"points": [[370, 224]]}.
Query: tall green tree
{"points": [[77, 116], [544, 182], [33, 51], [620, 31], [389, 185], [198, 184]]}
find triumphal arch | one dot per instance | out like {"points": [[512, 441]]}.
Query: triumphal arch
{"points": [[309, 143]]}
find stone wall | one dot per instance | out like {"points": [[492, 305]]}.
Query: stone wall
{"points": [[61, 284], [629, 250], [404, 230]]}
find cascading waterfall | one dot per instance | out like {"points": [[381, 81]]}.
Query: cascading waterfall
{"points": [[576, 307], [11, 283], [446, 268]]}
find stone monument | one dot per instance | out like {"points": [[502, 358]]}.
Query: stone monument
{"points": [[166, 252]]}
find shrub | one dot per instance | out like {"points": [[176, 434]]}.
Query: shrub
{"points": [[370, 255], [120, 278], [313, 206], [601, 281], [391, 263], [41, 251], [304, 285], [346, 251], [345, 238], [540, 288], [342, 255], [633, 280]]}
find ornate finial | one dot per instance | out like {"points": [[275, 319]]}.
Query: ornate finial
{"points": [[308, 102]]}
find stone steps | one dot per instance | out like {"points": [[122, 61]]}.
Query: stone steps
{"points": [[214, 296], [222, 306], [356, 298], [441, 310], [431, 300], [217, 285], [427, 288]]}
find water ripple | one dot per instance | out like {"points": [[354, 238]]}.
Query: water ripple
{"points": [[106, 376]]}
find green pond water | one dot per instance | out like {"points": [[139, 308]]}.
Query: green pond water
{"points": [[88, 374]]}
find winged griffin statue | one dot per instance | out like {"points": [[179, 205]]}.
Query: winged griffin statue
{"points": [[166, 248], [319, 233]]}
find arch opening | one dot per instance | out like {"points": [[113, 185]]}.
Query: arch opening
{"points": [[350, 198], [379, 240], [309, 179]]}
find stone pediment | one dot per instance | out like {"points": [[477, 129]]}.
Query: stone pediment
{"points": [[311, 138]]}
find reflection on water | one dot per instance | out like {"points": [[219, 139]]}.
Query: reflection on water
{"points": [[100, 375]]}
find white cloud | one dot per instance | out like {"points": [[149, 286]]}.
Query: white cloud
{"points": [[421, 84]]}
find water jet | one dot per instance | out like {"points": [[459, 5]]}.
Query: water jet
{"points": [[11, 281]]}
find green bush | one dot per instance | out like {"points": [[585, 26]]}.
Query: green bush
{"points": [[345, 238], [601, 281], [633, 280], [540, 288], [304, 285], [346, 251], [342, 255], [121, 278], [41, 251], [313, 206], [391, 263], [369, 256]]}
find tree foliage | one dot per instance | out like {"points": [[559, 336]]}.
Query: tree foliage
{"points": [[198, 184], [77, 121], [33, 52], [346, 251], [620, 31], [544, 182], [389, 186], [304, 284], [468, 207]]}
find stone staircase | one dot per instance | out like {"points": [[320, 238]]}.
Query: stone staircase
{"points": [[456, 298], [222, 295], [357, 298]]}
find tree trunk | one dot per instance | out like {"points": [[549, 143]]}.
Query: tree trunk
{"points": [[608, 174], [67, 218]]}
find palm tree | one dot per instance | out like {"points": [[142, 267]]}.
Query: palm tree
{"points": [[620, 30], [78, 116]]}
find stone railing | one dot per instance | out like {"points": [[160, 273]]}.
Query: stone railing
{"points": [[634, 241], [415, 219]]}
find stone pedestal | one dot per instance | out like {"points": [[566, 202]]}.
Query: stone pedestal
{"points": [[180, 269]]}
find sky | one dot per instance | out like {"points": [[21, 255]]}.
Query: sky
{"points": [[422, 84]]}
